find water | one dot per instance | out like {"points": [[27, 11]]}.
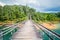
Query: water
{"points": [[45, 37], [58, 28], [9, 35]]}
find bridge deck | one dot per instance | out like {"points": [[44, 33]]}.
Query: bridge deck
{"points": [[27, 32]]}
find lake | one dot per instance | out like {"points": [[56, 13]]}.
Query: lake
{"points": [[57, 30], [44, 36]]}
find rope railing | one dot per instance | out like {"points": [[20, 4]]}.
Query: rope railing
{"points": [[13, 25], [52, 32], [44, 32], [9, 29], [6, 31], [48, 30], [6, 27]]}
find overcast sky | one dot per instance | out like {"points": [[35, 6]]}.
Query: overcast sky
{"points": [[39, 5]]}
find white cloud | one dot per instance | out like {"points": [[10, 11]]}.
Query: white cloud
{"points": [[2, 4], [26, 2], [40, 5]]}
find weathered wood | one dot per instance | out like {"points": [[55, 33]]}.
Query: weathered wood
{"points": [[27, 32]]}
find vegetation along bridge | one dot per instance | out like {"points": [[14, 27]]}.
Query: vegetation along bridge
{"points": [[27, 30]]}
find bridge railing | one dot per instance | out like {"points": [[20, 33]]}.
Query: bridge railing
{"points": [[50, 31], [6, 35], [10, 29], [46, 30], [7, 30]]}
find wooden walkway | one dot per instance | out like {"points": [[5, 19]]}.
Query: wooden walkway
{"points": [[27, 32]]}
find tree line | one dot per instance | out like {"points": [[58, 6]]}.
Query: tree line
{"points": [[20, 13], [39, 16], [13, 12]]}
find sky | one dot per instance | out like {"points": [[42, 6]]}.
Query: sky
{"points": [[39, 5]]}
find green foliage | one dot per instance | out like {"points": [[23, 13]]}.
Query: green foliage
{"points": [[20, 13], [46, 16], [58, 14], [12, 12]]}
